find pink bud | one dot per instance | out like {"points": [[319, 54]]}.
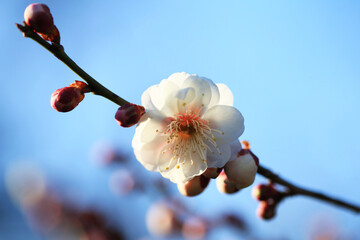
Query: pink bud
{"points": [[264, 192], [266, 210], [66, 99], [129, 114], [224, 185], [212, 172], [193, 187], [38, 17]]}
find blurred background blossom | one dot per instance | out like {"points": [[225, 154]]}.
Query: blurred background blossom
{"points": [[293, 68]]}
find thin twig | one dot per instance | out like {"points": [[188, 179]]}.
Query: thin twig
{"points": [[296, 190], [59, 52]]}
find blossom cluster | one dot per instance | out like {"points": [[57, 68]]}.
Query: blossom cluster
{"points": [[190, 126]]}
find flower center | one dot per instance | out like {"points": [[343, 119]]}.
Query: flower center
{"points": [[188, 138]]}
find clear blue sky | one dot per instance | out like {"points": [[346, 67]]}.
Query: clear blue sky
{"points": [[293, 66]]}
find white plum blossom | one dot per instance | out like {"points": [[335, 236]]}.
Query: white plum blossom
{"points": [[188, 127]]}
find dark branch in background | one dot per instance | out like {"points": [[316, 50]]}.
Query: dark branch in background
{"points": [[296, 190], [58, 51]]}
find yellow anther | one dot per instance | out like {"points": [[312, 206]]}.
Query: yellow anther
{"points": [[177, 166]]}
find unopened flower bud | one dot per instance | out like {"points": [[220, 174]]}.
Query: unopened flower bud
{"points": [[212, 172], [242, 170], [67, 98], [266, 210], [193, 187], [224, 185], [263, 192], [129, 114], [38, 17]]}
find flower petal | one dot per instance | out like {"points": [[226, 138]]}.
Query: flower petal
{"points": [[150, 126], [178, 78], [150, 100], [218, 157], [202, 92], [227, 120], [189, 167], [226, 96], [148, 153], [195, 167], [169, 91], [215, 93]]}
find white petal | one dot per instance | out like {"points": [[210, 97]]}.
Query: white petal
{"points": [[184, 171], [215, 94], [202, 92], [148, 154], [185, 96], [136, 142], [169, 90], [146, 130], [198, 167], [185, 92], [178, 78], [150, 99], [226, 96], [228, 120], [217, 160]]}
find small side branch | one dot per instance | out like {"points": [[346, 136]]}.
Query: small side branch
{"points": [[296, 190], [58, 51]]}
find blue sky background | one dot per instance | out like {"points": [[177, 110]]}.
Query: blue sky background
{"points": [[293, 67]]}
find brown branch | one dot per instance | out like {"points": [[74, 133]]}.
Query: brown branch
{"points": [[59, 52], [296, 190]]}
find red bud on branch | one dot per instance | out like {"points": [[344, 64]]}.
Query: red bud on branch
{"points": [[129, 114]]}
